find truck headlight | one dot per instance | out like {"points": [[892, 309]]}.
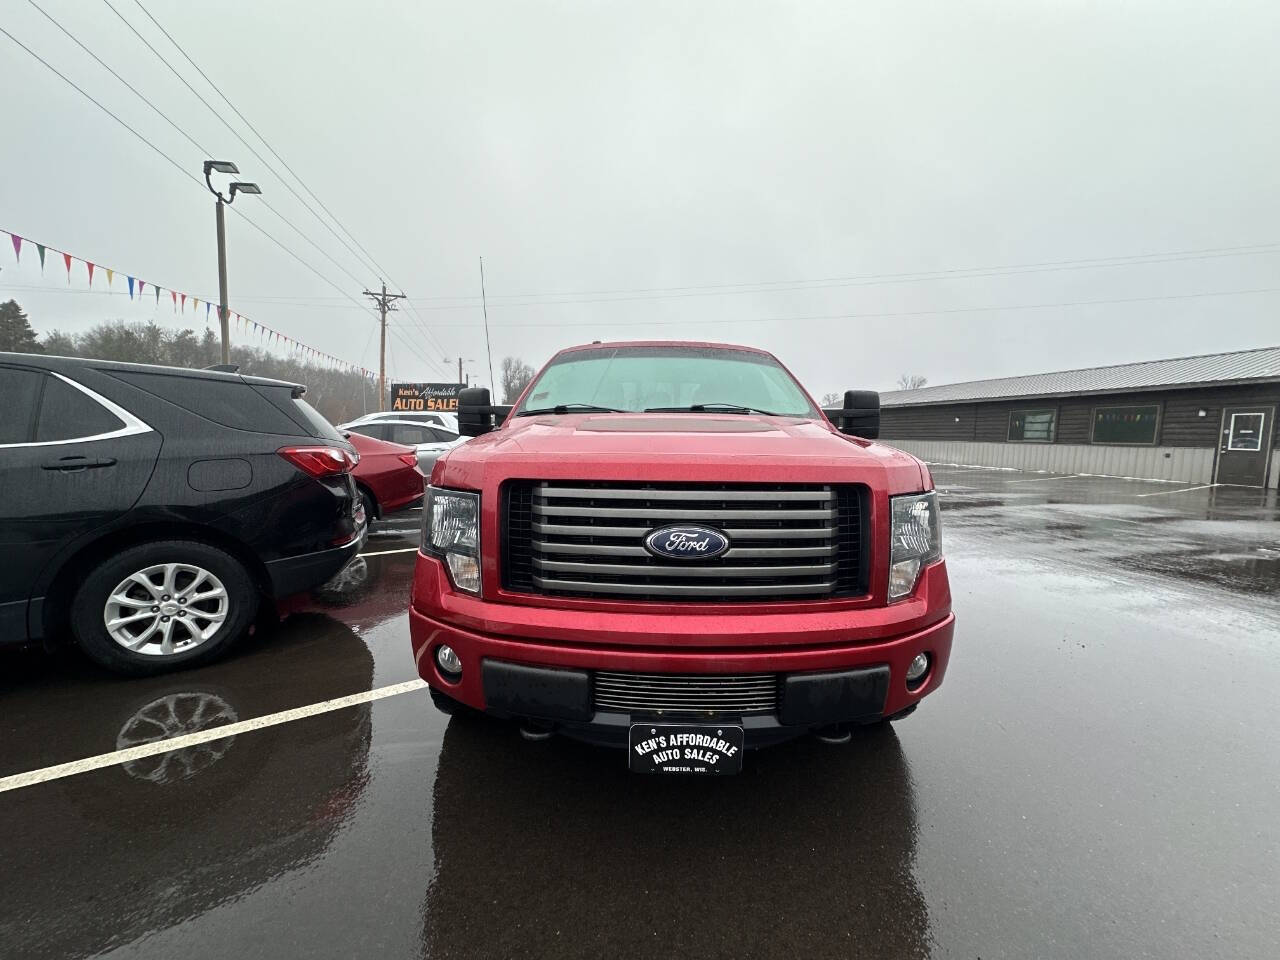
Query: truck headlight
{"points": [[451, 530], [916, 540]]}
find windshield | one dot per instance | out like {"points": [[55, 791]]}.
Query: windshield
{"points": [[670, 379]]}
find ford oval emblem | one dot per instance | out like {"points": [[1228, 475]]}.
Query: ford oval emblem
{"points": [[686, 542]]}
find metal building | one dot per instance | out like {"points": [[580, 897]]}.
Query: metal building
{"points": [[1203, 419]]}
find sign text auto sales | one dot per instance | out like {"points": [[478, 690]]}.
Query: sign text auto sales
{"points": [[680, 752]]}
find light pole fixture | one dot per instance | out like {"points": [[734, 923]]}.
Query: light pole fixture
{"points": [[229, 168]]}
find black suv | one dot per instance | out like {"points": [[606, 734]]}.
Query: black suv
{"points": [[151, 509]]}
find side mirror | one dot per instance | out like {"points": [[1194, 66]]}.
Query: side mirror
{"points": [[860, 415], [476, 412]]}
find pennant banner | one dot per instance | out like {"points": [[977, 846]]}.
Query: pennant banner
{"points": [[178, 299]]}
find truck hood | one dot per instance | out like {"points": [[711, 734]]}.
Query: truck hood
{"points": [[682, 447]]}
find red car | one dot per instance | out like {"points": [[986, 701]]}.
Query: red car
{"points": [[387, 475], [669, 547]]}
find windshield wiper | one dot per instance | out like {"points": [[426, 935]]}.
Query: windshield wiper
{"points": [[712, 408], [563, 408]]}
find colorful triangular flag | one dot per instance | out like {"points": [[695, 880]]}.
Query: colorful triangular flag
{"points": [[90, 266], [142, 285], [174, 297], [131, 288], [157, 290], [40, 250], [66, 258], [184, 303], [17, 246], [111, 275]]}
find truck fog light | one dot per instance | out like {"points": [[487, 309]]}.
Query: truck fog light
{"points": [[916, 670], [465, 570], [448, 661]]}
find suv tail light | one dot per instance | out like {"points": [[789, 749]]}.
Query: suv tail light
{"points": [[320, 461]]}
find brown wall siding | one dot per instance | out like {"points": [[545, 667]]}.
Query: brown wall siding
{"points": [[1180, 424]]}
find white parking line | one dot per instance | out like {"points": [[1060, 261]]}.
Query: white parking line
{"points": [[1165, 493], [383, 553], [32, 777], [1065, 476]]}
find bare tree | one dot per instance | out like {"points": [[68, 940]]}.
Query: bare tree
{"points": [[339, 394], [911, 381], [831, 400], [516, 375]]}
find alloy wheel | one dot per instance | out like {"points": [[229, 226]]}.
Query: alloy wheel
{"points": [[166, 609]]}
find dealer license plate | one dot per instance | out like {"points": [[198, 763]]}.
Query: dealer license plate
{"points": [[698, 749]]}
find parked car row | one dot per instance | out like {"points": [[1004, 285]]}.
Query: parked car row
{"points": [[151, 512], [667, 547], [429, 438]]}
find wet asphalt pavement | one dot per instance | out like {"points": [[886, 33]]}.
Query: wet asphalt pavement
{"points": [[1098, 777]]}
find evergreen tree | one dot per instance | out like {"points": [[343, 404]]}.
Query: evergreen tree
{"points": [[15, 330]]}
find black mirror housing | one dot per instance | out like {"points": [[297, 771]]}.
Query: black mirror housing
{"points": [[860, 415], [476, 412]]}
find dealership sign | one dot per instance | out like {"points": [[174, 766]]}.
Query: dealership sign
{"points": [[425, 396]]}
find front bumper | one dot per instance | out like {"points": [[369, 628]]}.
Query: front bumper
{"points": [[515, 663]]}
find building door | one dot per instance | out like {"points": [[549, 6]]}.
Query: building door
{"points": [[1245, 445]]}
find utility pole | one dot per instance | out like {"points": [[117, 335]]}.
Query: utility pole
{"points": [[466, 382], [386, 303]]}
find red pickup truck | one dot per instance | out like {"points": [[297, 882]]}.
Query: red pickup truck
{"points": [[670, 547]]}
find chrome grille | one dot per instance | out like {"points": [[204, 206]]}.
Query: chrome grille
{"points": [[688, 693], [787, 541]]}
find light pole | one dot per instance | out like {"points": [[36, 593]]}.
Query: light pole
{"points": [[227, 167], [461, 382]]}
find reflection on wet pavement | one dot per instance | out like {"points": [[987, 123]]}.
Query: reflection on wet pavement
{"points": [[1225, 537], [561, 852], [123, 852], [176, 715], [1096, 779]]}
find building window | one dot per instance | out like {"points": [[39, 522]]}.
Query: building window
{"points": [[1032, 426], [1136, 425], [1245, 432]]}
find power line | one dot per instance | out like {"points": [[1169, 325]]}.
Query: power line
{"points": [[369, 258], [180, 168], [176, 165], [989, 270], [216, 89], [964, 272], [897, 313], [248, 146], [195, 143], [870, 280]]}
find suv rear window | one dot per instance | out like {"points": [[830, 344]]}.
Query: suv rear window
{"points": [[316, 421], [232, 403]]}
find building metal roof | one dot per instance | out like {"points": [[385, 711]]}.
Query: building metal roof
{"points": [[1241, 366]]}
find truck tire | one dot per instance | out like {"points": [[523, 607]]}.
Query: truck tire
{"points": [[164, 605]]}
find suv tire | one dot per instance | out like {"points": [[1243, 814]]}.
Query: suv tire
{"points": [[190, 597]]}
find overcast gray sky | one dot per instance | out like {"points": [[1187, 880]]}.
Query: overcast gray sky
{"points": [[744, 171]]}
